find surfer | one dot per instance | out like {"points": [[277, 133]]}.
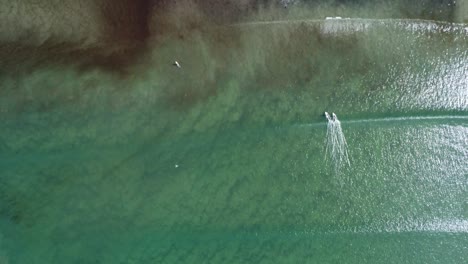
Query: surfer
{"points": [[177, 64]]}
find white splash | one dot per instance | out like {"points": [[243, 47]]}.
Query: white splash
{"points": [[336, 147]]}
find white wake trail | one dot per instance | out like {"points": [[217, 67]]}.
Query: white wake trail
{"points": [[336, 147]]}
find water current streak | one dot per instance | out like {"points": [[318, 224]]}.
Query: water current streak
{"points": [[336, 148]]}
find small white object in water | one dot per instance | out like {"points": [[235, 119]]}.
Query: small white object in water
{"points": [[177, 64], [327, 116], [177, 166]]}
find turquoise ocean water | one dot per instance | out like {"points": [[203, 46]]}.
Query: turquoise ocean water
{"points": [[223, 160]]}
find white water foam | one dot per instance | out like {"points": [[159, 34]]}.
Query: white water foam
{"points": [[336, 147]]}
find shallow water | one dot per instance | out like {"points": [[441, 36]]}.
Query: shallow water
{"points": [[223, 161]]}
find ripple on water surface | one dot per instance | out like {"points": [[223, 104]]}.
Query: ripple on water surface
{"points": [[223, 175]]}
